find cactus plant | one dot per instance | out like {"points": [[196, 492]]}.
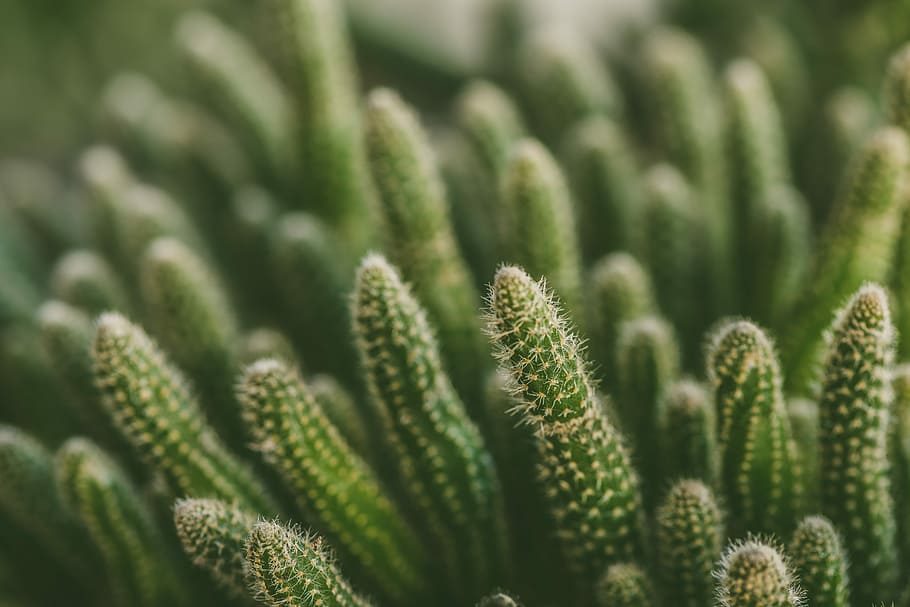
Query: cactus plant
{"points": [[819, 562], [753, 573]]}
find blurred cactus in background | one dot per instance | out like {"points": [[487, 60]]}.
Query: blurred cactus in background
{"points": [[365, 303]]}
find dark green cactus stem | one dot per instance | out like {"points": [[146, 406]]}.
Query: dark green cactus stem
{"points": [[265, 342], [344, 412], [853, 418], [105, 176], [249, 93], [604, 175], [419, 235], [499, 599], [288, 569], [899, 455], [896, 89], [687, 424], [896, 95], [447, 471], [803, 414], [564, 81], [619, 289], [758, 464], [689, 541], [583, 466], [30, 499], [491, 122], [213, 534], [647, 361], [150, 401], [138, 563], [190, 314], [856, 245], [84, 279], [314, 44], [755, 574], [539, 221], [335, 489], [820, 563], [625, 585]]}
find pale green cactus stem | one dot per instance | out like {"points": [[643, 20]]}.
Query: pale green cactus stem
{"points": [[583, 467], [334, 487], [689, 540], [857, 244], [820, 563], [491, 122], [447, 472], [84, 279], [602, 169], [853, 420], [896, 89], [312, 282], [539, 222], [213, 534], [564, 80], [671, 226], [315, 47], [287, 568], [899, 455], [249, 93], [33, 192], [758, 464], [345, 414], [151, 403], [647, 361], [686, 107], [499, 599], [266, 342], [619, 289], [625, 585], [803, 414], [687, 424], [137, 560], [753, 573], [193, 319], [105, 176], [420, 239], [30, 499], [251, 220]]}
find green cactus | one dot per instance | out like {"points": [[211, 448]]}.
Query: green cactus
{"points": [[420, 237], [138, 563], [498, 599], [447, 471], [755, 574], [84, 279], [803, 414], [686, 420], [625, 585], [689, 539], [853, 419], [287, 568], [190, 314], [820, 563], [896, 88], [539, 222], [265, 342], [899, 455], [344, 412], [758, 465], [249, 93], [150, 402], [335, 489], [856, 245], [583, 466], [491, 122], [213, 534]]}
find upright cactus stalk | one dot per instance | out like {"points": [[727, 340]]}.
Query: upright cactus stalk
{"points": [[150, 401], [899, 454], [345, 413], [139, 566], [820, 563], [539, 221], [498, 599], [758, 465], [803, 414], [583, 466], [856, 245], [287, 568], [420, 237], [687, 422], [689, 541], [755, 574], [213, 534], [335, 489], [448, 472], [853, 411], [625, 585], [84, 279], [896, 95]]}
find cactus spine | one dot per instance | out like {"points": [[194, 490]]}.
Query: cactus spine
{"points": [[755, 574], [820, 563]]}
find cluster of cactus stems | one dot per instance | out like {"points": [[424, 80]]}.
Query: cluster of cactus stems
{"points": [[584, 338]]}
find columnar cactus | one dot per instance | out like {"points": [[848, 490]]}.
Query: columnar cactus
{"points": [[899, 452], [755, 574], [446, 469], [86, 280], [498, 599], [150, 401], [335, 489], [853, 419], [583, 466], [819, 562], [758, 466], [625, 585], [686, 420]]}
